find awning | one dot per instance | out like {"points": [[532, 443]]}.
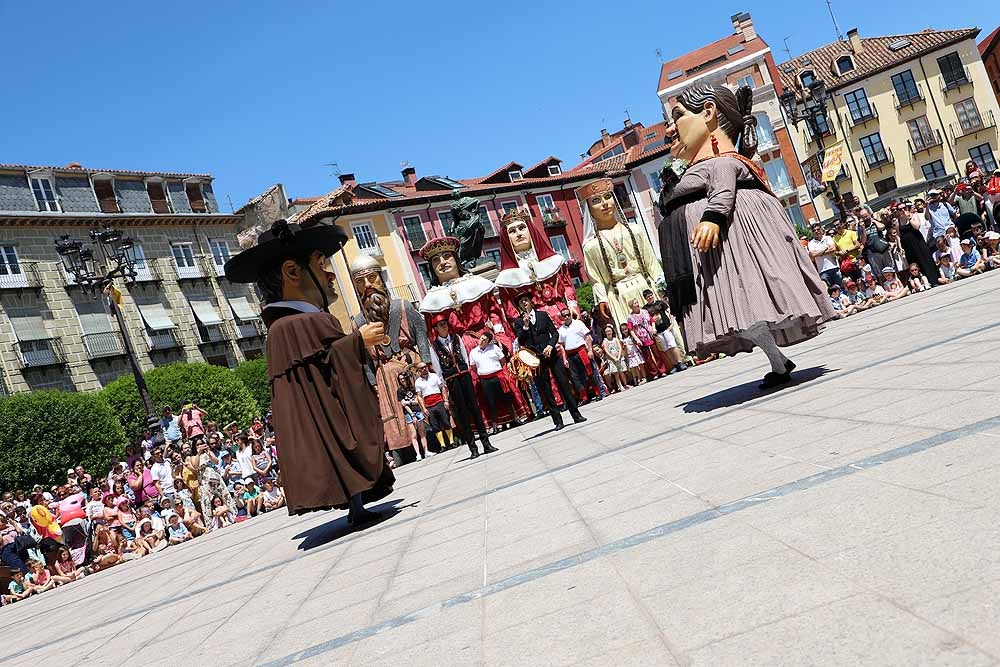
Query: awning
{"points": [[243, 309], [205, 312], [156, 317]]}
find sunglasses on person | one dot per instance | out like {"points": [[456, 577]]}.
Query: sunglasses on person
{"points": [[565, 316]]}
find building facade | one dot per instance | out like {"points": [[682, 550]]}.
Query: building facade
{"points": [[912, 111], [989, 51], [180, 307], [743, 58]]}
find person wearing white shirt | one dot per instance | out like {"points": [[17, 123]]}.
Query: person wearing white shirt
{"points": [[487, 358], [430, 393], [823, 252], [162, 474], [575, 338]]}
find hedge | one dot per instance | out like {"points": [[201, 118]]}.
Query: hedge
{"points": [[44, 433], [253, 374], [218, 391], [585, 297]]}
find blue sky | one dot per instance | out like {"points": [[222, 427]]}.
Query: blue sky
{"points": [[258, 92]]}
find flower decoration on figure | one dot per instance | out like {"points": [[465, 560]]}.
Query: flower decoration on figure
{"points": [[736, 273], [529, 264], [619, 259], [405, 343]]}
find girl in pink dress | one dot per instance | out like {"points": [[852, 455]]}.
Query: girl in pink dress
{"points": [[642, 327]]}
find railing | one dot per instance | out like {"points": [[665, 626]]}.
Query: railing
{"points": [[784, 189], [4, 390], [146, 271], [957, 82], [19, 275], [40, 352], [105, 344], [191, 272], [163, 339], [853, 121], [406, 292], [373, 251], [552, 217], [250, 329], [986, 121], [901, 102], [416, 245], [213, 333], [878, 161], [922, 145]]}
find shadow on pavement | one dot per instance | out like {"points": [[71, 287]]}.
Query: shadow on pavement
{"points": [[338, 528], [748, 391]]}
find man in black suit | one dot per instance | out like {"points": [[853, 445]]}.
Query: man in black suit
{"points": [[536, 332]]}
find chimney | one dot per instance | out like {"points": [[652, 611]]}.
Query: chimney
{"points": [[410, 176], [347, 179], [630, 139], [628, 123], [857, 46], [743, 25]]}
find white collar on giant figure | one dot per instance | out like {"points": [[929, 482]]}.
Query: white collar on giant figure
{"points": [[521, 276], [462, 290]]}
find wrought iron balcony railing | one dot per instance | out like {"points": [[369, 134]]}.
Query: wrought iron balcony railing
{"points": [[40, 352], [925, 143], [19, 275], [105, 344]]}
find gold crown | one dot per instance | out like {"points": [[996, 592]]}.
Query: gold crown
{"points": [[513, 216], [435, 247], [597, 187]]}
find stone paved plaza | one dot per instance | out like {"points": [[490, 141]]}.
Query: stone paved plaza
{"points": [[850, 519]]}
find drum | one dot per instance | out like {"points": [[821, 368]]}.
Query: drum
{"points": [[524, 365], [528, 358]]}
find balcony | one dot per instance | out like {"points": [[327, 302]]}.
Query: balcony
{"points": [[955, 80], [406, 292], [250, 329], [878, 161], [552, 217], [163, 339], [4, 389], [106, 344], [194, 272], [20, 275], [862, 118], [986, 122], [213, 333], [109, 205], [372, 251], [146, 271], [782, 190], [40, 352], [915, 98], [925, 145]]}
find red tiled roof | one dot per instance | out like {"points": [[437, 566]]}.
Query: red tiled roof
{"points": [[88, 170], [874, 58], [717, 50], [544, 163], [989, 42]]}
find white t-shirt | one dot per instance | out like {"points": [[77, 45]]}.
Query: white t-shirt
{"points": [[163, 474], [877, 291], [486, 361], [573, 335], [429, 385], [245, 459], [823, 262]]}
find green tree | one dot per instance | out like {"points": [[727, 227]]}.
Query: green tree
{"points": [[585, 297], [253, 374], [43, 433], [218, 391]]}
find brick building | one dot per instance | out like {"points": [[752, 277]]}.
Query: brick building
{"points": [[989, 51], [180, 308]]}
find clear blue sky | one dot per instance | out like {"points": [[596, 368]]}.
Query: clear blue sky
{"points": [[258, 92]]}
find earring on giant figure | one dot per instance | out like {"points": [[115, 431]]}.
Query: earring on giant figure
{"points": [[715, 145]]}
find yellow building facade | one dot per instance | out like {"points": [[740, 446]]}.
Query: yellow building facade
{"points": [[912, 111]]}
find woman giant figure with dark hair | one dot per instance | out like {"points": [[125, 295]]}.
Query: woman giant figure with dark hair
{"points": [[734, 269]]}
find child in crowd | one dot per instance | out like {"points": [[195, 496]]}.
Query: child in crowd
{"points": [[946, 269], [841, 307], [18, 589], [917, 281], [274, 497], [617, 358], [222, 516], [970, 263], [39, 576], [893, 286], [641, 326], [251, 496], [874, 294], [636, 364], [854, 296], [177, 531], [65, 567], [602, 364]]}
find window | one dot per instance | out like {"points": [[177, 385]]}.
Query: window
{"points": [[45, 196], [617, 150], [822, 124], [982, 155], [654, 181], [777, 176], [795, 214], [367, 241], [484, 217], [933, 170], [952, 70], [885, 185], [220, 252], [508, 206], [545, 202], [921, 133], [425, 273], [515, 175], [183, 255], [857, 104], [158, 197], [873, 149], [493, 256], [446, 220], [554, 170], [807, 77], [140, 256], [9, 264], [104, 189], [559, 245], [905, 87], [845, 64], [968, 115], [765, 133], [747, 81], [414, 227], [196, 197]]}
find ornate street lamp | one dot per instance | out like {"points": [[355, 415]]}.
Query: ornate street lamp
{"points": [[97, 275], [808, 104]]}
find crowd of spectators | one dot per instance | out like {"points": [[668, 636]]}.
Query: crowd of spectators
{"points": [[200, 478]]}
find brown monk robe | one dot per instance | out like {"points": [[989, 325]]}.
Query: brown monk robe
{"points": [[325, 412]]}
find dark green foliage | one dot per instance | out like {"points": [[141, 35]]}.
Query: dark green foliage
{"points": [[253, 373], [585, 297]]}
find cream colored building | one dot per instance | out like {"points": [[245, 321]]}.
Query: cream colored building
{"points": [[53, 335], [913, 110]]}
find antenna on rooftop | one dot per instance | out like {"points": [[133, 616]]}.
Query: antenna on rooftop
{"points": [[627, 116], [788, 51], [336, 168], [659, 56], [829, 5], [232, 209]]}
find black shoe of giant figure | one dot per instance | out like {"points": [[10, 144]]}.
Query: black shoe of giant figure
{"points": [[362, 518], [488, 448], [579, 420], [474, 454], [772, 379]]}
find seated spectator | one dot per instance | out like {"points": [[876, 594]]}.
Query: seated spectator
{"points": [[991, 249], [841, 307], [856, 297], [150, 539], [893, 286], [177, 531], [107, 549], [39, 576], [239, 500], [189, 517], [946, 269], [874, 294], [251, 496], [66, 568], [18, 589], [261, 461], [917, 281], [127, 518], [222, 514], [970, 263], [274, 497]]}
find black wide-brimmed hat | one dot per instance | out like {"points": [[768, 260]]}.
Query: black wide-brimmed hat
{"points": [[282, 241]]}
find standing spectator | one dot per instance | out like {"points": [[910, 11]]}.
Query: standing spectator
{"points": [[163, 475], [140, 480], [970, 263], [641, 325], [666, 342], [244, 455], [939, 213], [617, 358], [488, 360], [897, 259], [848, 245], [913, 231], [406, 394], [193, 421], [430, 393], [636, 364], [969, 204], [823, 252], [876, 246], [575, 339], [171, 425], [596, 338]]}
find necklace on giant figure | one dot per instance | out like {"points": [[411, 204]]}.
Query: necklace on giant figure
{"points": [[619, 250]]}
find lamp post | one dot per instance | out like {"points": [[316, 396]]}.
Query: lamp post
{"points": [[808, 104], [97, 275]]}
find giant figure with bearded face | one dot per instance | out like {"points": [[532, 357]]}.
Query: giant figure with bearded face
{"points": [[529, 264], [405, 343]]}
